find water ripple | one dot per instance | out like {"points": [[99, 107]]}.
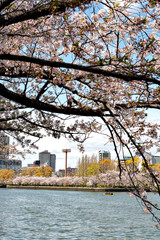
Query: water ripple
{"points": [[47, 215]]}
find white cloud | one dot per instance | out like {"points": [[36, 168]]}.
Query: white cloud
{"points": [[153, 116], [131, 6]]}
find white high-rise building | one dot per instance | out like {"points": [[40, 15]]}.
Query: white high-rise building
{"points": [[104, 155]]}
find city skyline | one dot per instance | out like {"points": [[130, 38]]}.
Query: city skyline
{"points": [[91, 145], [74, 155]]}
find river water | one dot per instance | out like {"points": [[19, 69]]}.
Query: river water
{"points": [[53, 215]]}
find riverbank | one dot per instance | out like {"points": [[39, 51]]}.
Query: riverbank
{"points": [[63, 188]]}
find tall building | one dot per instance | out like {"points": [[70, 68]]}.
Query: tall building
{"points": [[155, 159], [53, 162], [152, 159], [48, 159], [4, 151], [104, 155], [5, 162], [15, 165]]}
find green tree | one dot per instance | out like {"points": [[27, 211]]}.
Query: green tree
{"points": [[84, 163], [94, 169]]}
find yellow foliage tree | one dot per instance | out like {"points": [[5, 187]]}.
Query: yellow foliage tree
{"points": [[155, 167], [48, 171], [6, 175], [106, 164], [133, 163], [43, 171], [29, 171]]}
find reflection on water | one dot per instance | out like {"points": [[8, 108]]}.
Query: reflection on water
{"points": [[44, 214]]}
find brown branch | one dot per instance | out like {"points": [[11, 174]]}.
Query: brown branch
{"points": [[153, 105], [5, 4], [33, 103], [47, 76], [49, 128], [43, 89], [90, 69], [53, 7]]}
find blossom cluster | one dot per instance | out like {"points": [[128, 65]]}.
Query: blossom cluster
{"points": [[108, 179]]}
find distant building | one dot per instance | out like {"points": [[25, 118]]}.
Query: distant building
{"points": [[37, 163], [15, 165], [151, 159], [104, 155], [48, 159], [5, 162], [4, 151], [70, 172], [30, 165], [155, 159], [126, 158], [60, 173], [53, 162], [148, 157]]}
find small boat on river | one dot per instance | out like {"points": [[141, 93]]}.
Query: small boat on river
{"points": [[108, 194]]}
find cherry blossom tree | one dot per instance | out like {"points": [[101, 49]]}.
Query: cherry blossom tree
{"points": [[65, 59]]}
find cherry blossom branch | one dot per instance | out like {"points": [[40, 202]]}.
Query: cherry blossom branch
{"points": [[137, 193], [115, 147], [91, 69], [33, 103], [141, 153], [5, 4], [49, 128], [136, 105], [52, 7]]}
